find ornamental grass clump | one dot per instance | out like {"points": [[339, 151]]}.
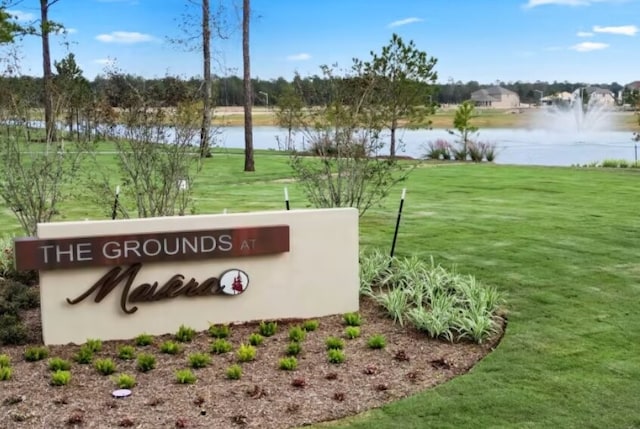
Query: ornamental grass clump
{"points": [[220, 346], [84, 355], [60, 378], [334, 343], [293, 349], [255, 339], [310, 325], [145, 362], [199, 360], [377, 341], [5, 361], [125, 381], [126, 352], [234, 372], [185, 376], [6, 372], [219, 331], [439, 302], [58, 364], [297, 334], [352, 332], [143, 340], [352, 319], [34, 354], [170, 348], [105, 366], [288, 363], [185, 334], [335, 356], [94, 344], [267, 329], [246, 353]]}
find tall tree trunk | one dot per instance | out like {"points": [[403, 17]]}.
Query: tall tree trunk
{"points": [[248, 93], [49, 118], [206, 92], [392, 144]]}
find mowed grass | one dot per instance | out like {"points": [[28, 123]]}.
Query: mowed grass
{"points": [[561, 243]]}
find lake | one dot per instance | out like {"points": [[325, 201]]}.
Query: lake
{"points": [[515, 145]]}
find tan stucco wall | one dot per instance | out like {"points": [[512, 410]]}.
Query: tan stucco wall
{"points": [[318, 277]]}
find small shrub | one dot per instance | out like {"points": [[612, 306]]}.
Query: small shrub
{"points": [[185, 334], [352, 319], [293, 349], [84, 355], [219, 331], [267, 329], [185, 376], [59, 364], [220, 346], [5, 361], [335, 356], [6, 373], [288, 364], [125, 381], [334, 343], [60, 378], [143, 340], [94, 344], [105, 366], [199, 360], [170, 348], [377, 342], [145, 362], [297, 334], [234, 372], [255, 339], [310, 325], [352, 332], [126, 352], [246, 353], [12, 330], [34, 354]]}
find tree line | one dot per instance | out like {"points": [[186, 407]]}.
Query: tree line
{"points": [[169, 91]]}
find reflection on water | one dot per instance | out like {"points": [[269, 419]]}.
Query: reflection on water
{"points": [[515, 145]]}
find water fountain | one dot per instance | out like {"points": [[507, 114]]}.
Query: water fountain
{"points": [[579, 114]]}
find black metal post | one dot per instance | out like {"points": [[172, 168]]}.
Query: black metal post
{"points": [[286, 198], [115, 204], [395, 234]]}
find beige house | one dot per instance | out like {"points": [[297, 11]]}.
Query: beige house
{"points": [[495, 97], [601, 96]]}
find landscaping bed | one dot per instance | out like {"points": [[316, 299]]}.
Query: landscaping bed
{"points": [[265, 396]]}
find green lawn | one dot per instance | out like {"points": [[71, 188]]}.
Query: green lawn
{"points": [[559, 242]]}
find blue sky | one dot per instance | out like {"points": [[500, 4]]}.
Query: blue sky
{"points": [[592, 41]]}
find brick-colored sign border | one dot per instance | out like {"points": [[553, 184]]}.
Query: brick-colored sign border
{"points": [[59, 253]]}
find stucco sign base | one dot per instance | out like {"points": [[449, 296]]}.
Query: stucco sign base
{"points": [[318, 276]]}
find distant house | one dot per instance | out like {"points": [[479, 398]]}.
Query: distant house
{"points": [[633, 85], [601, 96], [495, 97]]}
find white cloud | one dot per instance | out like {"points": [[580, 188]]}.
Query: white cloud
{"points": [[21, 16], [66, 31], [299, 57], [624, 30], [584, 34], [535, 3], [127, 37], [405, 21], [589, 46]]}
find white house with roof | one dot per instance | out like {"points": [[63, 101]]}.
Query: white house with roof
{"points": [[495, 97]]}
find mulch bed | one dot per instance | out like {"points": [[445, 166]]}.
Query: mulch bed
{"points": [[264, 397]]}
